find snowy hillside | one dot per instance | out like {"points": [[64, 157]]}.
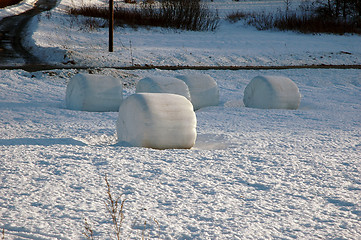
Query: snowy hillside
{"points": [[70, 40], [252, 174]]}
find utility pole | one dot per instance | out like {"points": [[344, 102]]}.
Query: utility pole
{"points": [[111, 24]]}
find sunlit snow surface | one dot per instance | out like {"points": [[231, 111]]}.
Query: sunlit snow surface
{"points": [[22, 7], [253, 174], [72, 41]]}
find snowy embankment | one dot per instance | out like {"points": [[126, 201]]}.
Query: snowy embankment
{"points": [[253, 173], [72, 41]]}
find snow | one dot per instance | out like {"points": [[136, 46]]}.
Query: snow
{"points": [[230, 45], [252, 173], [157, 120], [94, 93], [22, 7], [203, 90], [270, 92], [162, 84]]}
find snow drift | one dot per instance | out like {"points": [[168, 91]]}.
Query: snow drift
{"points": [[161, 84], [272, 92], [94, 93], [157, 120], [203, 90]]}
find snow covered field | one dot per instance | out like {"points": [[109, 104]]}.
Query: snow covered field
{"points": [[253, 173]]}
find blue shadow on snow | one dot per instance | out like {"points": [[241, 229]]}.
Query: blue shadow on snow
{"points": [[40, 141]]}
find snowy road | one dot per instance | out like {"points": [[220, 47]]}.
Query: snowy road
{"points": [[12, 28]]}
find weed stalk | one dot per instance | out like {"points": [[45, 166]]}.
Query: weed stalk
{"points": [[89, 233], [115, 208]]}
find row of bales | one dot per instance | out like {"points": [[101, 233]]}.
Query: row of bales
{"points": [[161, 114]]}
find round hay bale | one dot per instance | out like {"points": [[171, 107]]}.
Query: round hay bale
{"points": [[161, 84], [272, 92], [203, 90], [157, 120], [94, 93]]}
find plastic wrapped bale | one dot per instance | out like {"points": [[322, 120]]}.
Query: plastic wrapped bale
{"points": [[203, 89], [157, 120], [94, 93], [161, 84], [271, 92]]}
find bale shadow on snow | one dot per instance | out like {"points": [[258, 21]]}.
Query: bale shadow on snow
{"points": [[304, 105], [40, 141], [211, 142]]}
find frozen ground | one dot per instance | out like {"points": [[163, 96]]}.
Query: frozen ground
{"points": [[253, 174]]}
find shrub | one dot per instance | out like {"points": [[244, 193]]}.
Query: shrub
{"points": [[313, 22], [236, 16], [316, 24], [339, 8], [90, 11], [179, 14]]}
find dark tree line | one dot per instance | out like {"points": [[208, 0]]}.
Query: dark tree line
{"points": [[346, 9]]}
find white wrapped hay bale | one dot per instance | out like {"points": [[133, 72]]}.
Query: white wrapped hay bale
{"points": [[94, 93], [203, 89], [269, 92], [157, 120], [161, 84]]}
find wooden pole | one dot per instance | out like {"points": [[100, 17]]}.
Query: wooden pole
{"points": [[111, 24]]}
